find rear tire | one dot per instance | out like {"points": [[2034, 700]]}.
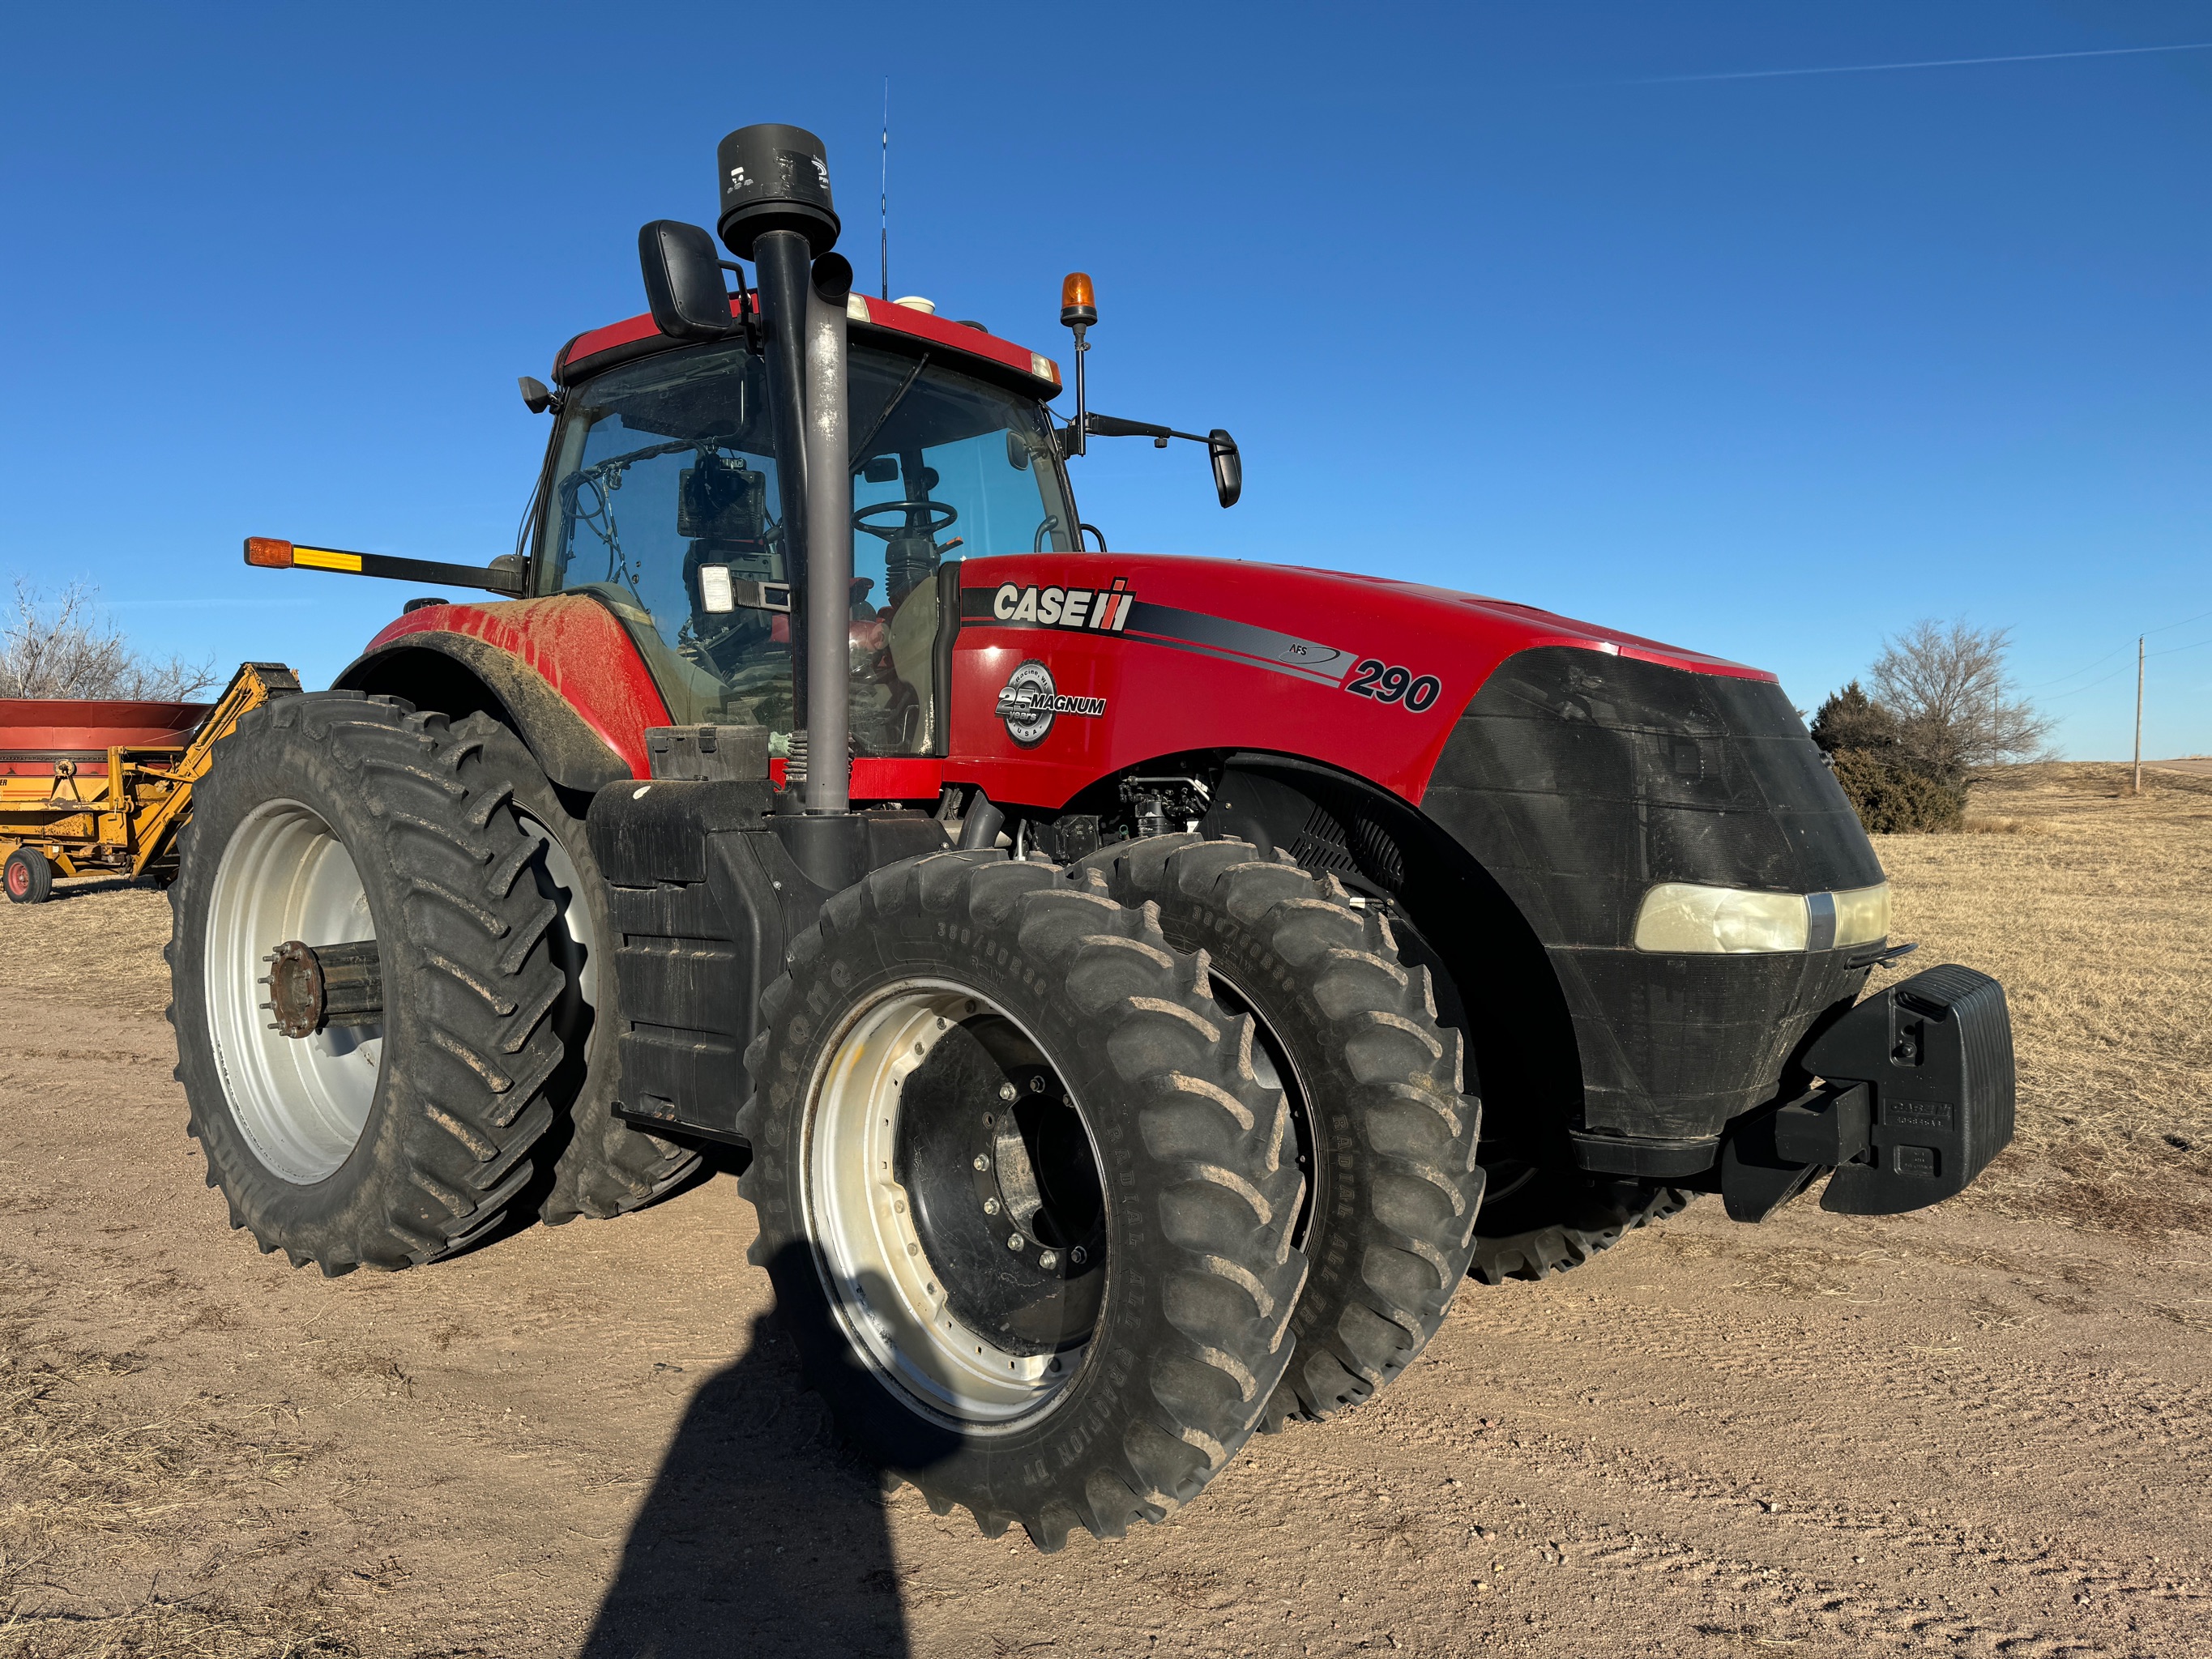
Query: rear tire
{"points": [[335, 817], [601, 1166], [29, 876], [951, 1357], [1374, 1082]]}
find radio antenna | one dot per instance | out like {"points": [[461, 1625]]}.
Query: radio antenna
{"points": [[884, 249]]}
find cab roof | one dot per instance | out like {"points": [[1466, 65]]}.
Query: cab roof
{"points": [[999, 360]]}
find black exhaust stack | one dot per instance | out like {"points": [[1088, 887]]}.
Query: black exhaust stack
{"points": [[777, 212]]}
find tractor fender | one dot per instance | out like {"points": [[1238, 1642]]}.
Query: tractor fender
{"points": [[459, 676]]}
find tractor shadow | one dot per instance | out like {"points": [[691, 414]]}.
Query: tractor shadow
{"points": [[763, 1533]]}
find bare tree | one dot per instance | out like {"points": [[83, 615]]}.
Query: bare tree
{"points": [[1953, 701], [61, 648]]}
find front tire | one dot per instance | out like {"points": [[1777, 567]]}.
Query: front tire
{"points": [[1374, 1082], [1075, 1318], [1547, 1218]]}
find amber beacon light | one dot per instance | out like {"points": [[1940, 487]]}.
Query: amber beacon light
{"points": [[1079, 305]]}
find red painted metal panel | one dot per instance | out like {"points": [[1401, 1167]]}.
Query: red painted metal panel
{"points": [[1209, 654], [938, 330], [69, 723], [576, 646], [895, 778], [882, 313], [35, 731], [883, 778]]}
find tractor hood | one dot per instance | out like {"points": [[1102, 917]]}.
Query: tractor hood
{"points": [[1359, 672], [1576, 765]]}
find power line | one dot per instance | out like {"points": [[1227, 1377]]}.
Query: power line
{"points": [[2092, 685], [2084, 669], [1931, 62], [2171, 649], [2167, 628], [2163, 627]]}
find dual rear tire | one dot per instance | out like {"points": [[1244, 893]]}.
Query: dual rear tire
{"points": [[470, 1096]]}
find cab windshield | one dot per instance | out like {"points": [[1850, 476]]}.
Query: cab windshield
{"points": [[664, 504]]}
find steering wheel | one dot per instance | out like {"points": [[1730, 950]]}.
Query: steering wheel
{"points": [[929, 526]]}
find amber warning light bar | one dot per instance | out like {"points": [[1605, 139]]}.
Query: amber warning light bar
{"points": [[501, 575]]}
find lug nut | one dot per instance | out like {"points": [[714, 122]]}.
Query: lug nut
{"points": [[981, 1161], [1079, 1255], [1036, 1085], [1005, 1092], [1013, 1241], [1050, 1259], [990, 1206]]}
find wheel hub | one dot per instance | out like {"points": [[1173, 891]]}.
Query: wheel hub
{"points": [[1006, 1199], [336, 985]]}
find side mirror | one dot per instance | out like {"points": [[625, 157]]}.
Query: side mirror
{"points": [[537, 396], [683, 282], [1228, 466]]}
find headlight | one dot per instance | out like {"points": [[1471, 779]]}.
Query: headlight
{"points": [[1862, 916], [1679, 917]]}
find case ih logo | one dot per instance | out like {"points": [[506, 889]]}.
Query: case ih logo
{"points": [[1102, 610], [1030, 701]]}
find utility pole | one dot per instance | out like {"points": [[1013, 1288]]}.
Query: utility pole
{"points": [[2139, 679]]}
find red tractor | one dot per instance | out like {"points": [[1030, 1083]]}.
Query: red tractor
{"points": [[1089, 957]]}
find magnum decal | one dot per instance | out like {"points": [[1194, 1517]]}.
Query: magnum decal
{"points": [[1105, 611], [1030, 701]]}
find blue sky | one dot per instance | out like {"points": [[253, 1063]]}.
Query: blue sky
{"points": [[1572, 304]]}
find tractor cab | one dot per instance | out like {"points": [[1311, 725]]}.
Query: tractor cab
{"points": [[662, 500]]}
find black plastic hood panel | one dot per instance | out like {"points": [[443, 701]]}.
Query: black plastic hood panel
{"points": [[1578, 779]]}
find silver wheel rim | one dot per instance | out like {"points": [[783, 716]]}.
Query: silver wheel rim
{"points": [[301, 1102], [880, 1279], [572, 939]]}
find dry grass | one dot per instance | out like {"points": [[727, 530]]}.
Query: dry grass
{"points": [[89, 1475], [2094, 907], [166, 1630], [97, 941]]}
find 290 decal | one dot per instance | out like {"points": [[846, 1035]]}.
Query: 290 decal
{"points": [[1390, 683]]}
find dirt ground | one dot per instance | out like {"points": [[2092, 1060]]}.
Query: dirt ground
{"points": [[1983, 1428]]}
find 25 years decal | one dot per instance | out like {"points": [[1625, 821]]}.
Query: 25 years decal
{"points": [[1030, 701], [1387, 682]]}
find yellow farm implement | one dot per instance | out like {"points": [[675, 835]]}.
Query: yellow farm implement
{"points": [[105, 786]]}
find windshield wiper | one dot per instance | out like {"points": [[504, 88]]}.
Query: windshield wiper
{"points": [[860, 457]]}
